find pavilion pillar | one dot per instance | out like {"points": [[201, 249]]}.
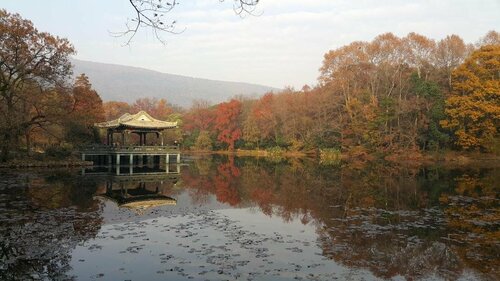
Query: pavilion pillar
{"points": [[167, 159], [144, 139], [127, 137], [123, 138], [178, 158], [161, 135], [117, 159], [131, 160]]}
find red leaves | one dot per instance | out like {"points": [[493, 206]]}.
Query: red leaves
{"points": [[226, 122]]}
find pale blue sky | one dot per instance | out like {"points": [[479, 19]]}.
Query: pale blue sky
{"points": [[283, 46]]}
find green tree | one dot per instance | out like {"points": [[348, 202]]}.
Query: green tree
{"points": [[431, 135]]}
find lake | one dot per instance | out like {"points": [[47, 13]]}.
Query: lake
{"points": [[243, 218]]}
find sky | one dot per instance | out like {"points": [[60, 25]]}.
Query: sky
{"points": [[282, 46]]}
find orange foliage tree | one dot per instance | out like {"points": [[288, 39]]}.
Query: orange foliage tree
{"points": [[31, 64], [115, 109], [158, 108], [226, 122], [86, 109], [473, 108]]}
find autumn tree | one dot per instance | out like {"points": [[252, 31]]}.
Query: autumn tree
{"points": [[31, 63], [204, 141], [115, 109], [419, 52], [158, 108], [86, 110], [473, 108], [199, 117], [491, 38], [226, 122], [450, 53]]}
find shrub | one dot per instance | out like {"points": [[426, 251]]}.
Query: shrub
{"points": [[330, 156], [204, 142], [58, 152]]}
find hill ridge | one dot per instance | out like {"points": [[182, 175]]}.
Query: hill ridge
{"points": [[128, 83]]}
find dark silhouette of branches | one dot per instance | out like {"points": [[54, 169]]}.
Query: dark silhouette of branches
{"points": [[152, 14]]}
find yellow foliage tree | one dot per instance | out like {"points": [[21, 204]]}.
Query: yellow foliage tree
{"points": [[473, 107]]}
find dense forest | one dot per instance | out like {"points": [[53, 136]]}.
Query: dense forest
{"points": [[390, 96]]}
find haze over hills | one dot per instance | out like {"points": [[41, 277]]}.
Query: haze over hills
{"points": [[127, 83]]}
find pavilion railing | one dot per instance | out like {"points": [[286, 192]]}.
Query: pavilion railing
{"points": [[129, 148]]}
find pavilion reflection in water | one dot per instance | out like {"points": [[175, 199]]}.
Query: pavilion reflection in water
{"points": [[136, 187]]}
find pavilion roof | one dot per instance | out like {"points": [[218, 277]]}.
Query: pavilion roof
{"points": [[140, 120], [140, 201]]}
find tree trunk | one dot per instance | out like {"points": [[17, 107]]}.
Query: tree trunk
{"points": [[28, 143], [6, 147]]}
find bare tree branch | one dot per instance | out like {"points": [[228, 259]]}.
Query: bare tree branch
{"points": [[151, 14]]}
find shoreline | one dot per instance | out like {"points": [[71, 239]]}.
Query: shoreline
{"points": [[451, 158], [25, 163]]}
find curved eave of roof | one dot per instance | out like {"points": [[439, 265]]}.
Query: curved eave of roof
{"points": [[149, 203], [132, 121], [141, 201], [140, 126]]}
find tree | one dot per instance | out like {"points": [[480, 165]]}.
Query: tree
{"points": [[31, 62], [432, 136], [473, 108], [226, 122], [204, 142], [450, 53], [251, 132], [420, 50], [491, 38], [158, 108], [115, 109], [86, 110]]}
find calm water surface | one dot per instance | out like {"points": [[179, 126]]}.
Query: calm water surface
{"points": [[220, 218]]}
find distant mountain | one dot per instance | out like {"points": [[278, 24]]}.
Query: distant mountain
{"points": [[126, 83]]}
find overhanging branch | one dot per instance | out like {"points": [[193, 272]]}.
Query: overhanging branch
{"points": [[152, 14]]}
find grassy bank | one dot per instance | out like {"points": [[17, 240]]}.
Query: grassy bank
{"points": [[44, 162], [408, 158]]}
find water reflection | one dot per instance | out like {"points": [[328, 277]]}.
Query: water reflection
{"points": [[42, 219], [409, 222], [415, 223], [136, 187]]}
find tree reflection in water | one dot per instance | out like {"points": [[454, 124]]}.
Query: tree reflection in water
{"points": [[411, 222], [42, 218]]}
